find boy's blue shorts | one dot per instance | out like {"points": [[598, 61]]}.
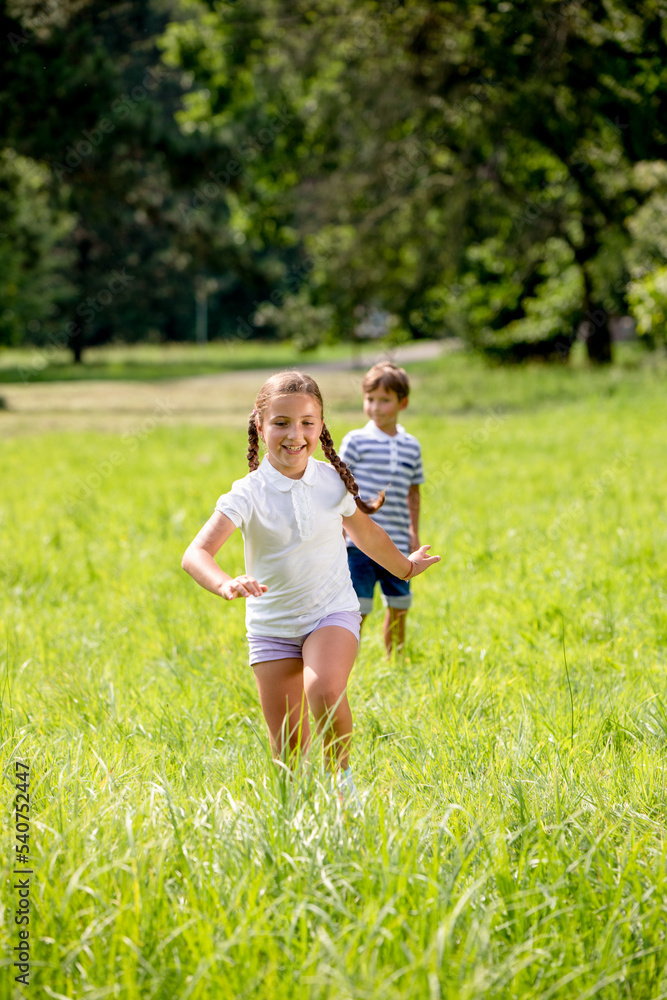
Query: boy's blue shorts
{"points": [[365, 574]]}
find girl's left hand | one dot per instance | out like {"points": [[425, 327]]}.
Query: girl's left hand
{"points": [[422, 560]]}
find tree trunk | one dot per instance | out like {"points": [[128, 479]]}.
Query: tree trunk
{"points": [[598, 336], [77, 343], [77, 340], [595, 321]]}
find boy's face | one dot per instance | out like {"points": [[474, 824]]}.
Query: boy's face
{"points": [[382, 406]]}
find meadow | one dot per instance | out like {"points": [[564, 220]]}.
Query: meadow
{"points": [[511, 764]]}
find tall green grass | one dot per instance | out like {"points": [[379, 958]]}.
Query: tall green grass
{"points": [[511, 764]]}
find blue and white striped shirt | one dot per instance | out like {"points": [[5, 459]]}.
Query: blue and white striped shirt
{"points": [[379, 461]]}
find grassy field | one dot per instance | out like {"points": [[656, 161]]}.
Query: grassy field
{"points": [[511, 765], [141, 361]]}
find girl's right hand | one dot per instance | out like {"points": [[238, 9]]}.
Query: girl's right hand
{"points": [[242, 586]]}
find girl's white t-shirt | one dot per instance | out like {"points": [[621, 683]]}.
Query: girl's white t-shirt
{"points": [[293, 538]]}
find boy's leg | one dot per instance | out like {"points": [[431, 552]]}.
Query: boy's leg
{"points": [[393, 629], [364, 578], [282, 697], [328, 658], [397, 598]]}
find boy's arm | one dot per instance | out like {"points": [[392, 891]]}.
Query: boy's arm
{"points": [[413, 510], [376, 543]]}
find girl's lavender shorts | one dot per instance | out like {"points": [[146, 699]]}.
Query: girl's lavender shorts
{"points": [[265, 647]]}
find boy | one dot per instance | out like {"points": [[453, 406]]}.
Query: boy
{"points": [[382, 455]]}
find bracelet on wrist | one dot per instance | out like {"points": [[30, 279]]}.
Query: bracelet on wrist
{"points": [[410, 571]]}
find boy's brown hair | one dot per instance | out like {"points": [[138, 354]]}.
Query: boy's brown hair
{"points": [[388, 376]]}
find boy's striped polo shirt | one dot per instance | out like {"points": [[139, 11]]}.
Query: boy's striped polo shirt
{"points": [[379, 461]]}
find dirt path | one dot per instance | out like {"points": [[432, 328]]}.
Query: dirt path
{"points": [[211, 400]]}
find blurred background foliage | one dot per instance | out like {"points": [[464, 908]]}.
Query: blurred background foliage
{"points": [[175, 170]]}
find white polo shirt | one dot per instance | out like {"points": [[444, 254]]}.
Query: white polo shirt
{"points": [[293, 539]]}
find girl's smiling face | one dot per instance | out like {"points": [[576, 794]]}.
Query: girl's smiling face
{"points": [[290, 427]]}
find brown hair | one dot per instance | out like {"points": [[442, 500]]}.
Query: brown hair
{"points": [[386, 374], [293, 383]]}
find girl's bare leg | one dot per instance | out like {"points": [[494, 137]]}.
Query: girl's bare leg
{"points": [[328, 658], [281, 695]]}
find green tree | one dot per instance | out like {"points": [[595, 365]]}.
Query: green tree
{"points": [[471, 166], [586, 83], [154, 214], [33, 268]]}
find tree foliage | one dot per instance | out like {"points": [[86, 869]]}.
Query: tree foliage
{"points": [[479, 168], [32, 262], [144, 235], [472, 166]]}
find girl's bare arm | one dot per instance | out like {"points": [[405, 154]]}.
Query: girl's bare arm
{"points": [[413, 510], [376, 543], [200, 563]]}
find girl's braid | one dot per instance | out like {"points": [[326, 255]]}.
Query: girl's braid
{"points": [[253, 443], [347, 477]]}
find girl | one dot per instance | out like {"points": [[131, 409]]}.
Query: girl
{"points": [[302, 614]]}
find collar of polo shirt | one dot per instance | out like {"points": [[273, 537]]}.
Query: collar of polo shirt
{"points": [[284, 483], [375, 431]]}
